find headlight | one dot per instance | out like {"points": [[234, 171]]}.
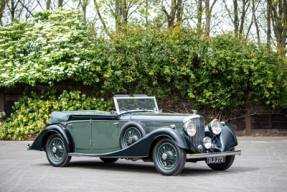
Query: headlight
{"points": [[215, 126], [207, 142], [190, 128]]}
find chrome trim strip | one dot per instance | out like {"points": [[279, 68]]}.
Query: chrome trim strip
{"points": [[101, 155], [68, 122], [80, 121], [217, 154]]}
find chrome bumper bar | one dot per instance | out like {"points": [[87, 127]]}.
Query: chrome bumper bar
{"points": [[217, 154]]}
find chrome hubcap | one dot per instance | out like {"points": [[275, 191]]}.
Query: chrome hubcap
{"points": [[130, 140], [54, 149], [164, 156], [131, 136], [167, 156]]}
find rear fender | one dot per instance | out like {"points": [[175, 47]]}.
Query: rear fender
{"points": [[40, 142]]}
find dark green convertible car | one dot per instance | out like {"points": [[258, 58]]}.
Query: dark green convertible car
{"points": [[137, 130]]}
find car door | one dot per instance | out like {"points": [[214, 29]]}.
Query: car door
{"points": [[105, 136], [81, 132]]}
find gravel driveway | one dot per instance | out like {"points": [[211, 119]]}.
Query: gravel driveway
{"points": [[261, 167]]}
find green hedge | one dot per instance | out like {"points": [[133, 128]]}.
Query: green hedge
{"points": [[33, 113], [220, 72]]}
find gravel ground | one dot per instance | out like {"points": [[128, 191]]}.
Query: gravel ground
{"points": [[261, 167]]}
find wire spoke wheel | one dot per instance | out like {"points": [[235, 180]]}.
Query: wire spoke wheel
{"points": [[131, 136], [167, 156], [56, 149]]}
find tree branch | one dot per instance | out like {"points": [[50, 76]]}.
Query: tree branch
{"points": [[228, 11], [26, 8], [102, 20], [40, 5]]}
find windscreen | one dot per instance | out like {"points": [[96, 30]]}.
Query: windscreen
{"points": [[136, 104]]}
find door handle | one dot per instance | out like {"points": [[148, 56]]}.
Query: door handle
{"points": [[116, 123]]}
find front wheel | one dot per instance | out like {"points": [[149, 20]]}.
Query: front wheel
{"points": [[223, 166], [168, 158], [56, 151]]}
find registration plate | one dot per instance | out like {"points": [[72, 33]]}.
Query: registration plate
{"points": [[214, 160]]}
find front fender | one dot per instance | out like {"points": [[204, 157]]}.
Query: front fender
{"points": [[225, 141], [143, 147], [40, 141]]}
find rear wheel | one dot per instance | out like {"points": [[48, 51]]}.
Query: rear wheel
{"points": [[56, 151], [223, 166], [168, 158], [131, 133], [109, 160]]}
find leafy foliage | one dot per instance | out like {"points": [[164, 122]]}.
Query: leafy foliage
{"points": [[222, 71], [33, 113], [52, 47]]}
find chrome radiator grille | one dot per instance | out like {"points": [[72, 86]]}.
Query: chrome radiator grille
{"points": [[198, 137]]}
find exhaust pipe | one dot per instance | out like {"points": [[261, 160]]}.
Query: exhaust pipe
{"points": [[28, 147]]}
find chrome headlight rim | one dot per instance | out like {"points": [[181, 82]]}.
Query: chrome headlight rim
{"points": [[191, 132], [207, 142], [212, 128]]}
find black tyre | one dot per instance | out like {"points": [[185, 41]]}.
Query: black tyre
{"points": [[109, 160], [223, 166], [131, 133], [56, 151], [168, 158]]}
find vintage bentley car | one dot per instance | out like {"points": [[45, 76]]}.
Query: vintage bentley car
{"points": [[137, 130]]}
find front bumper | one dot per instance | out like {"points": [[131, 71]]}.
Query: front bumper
{"points": [[216, 154]]}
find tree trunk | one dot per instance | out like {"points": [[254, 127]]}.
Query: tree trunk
{"points": [[84, 5], [248, 120], [146, 13], [13, 8], [284, 25], [60, 3], [199, 14], [172, 13], [84, 8], [118, 14], [48, 4], [2, 8], [179, 12], [171, 16], [236, 21], [255, 22], [208, 12], [125, 12], [278, 19], [268, 22], [208, 16], [244, 10]]}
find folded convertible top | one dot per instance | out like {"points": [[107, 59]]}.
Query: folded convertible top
{"points": [[62, 116]]}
